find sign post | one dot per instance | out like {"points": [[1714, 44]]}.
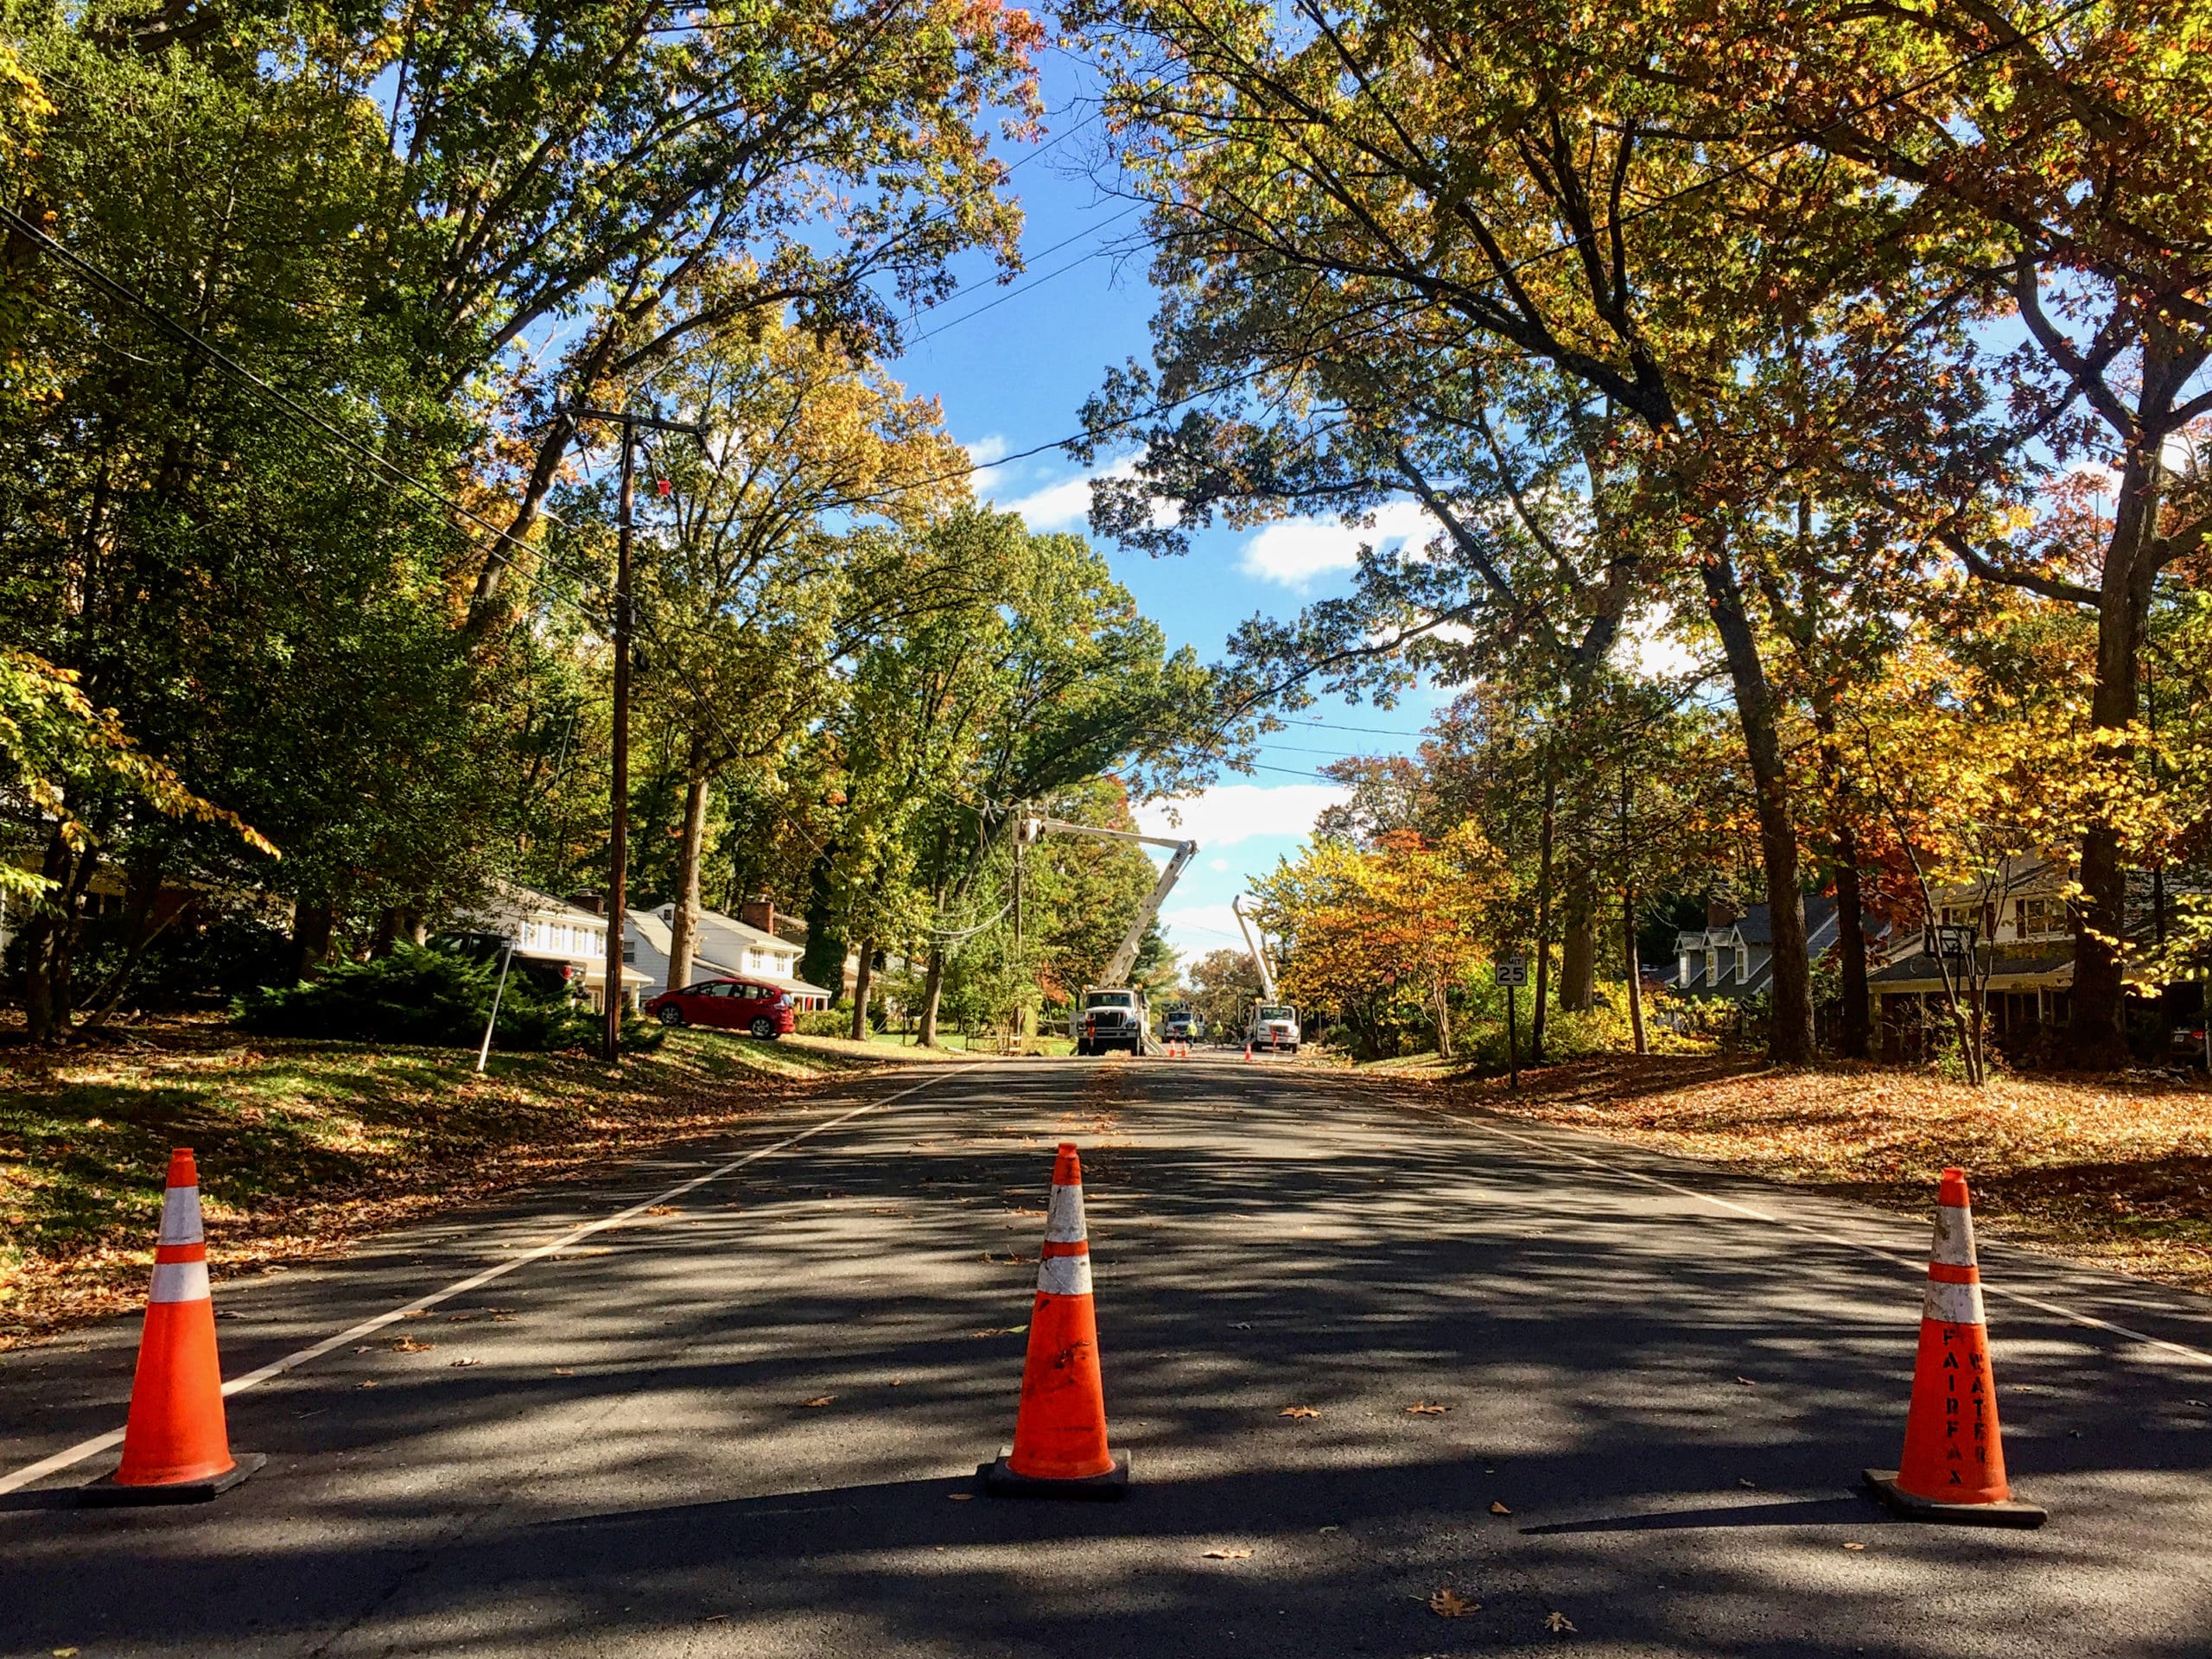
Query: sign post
{"points": [[1512, 972]]}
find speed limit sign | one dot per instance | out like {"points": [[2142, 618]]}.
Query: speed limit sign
{"points": [[1512, 971]]}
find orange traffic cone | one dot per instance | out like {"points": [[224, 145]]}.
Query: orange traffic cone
{"points": [[176, 1448], [1954, 1464], [1247, 1048], [1059, 1446]]}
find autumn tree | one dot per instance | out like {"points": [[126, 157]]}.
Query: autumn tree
{"points": [[1399, 224], [2054, 169]]}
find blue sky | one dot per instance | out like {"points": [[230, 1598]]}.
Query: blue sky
{"points": [[1012, 366]]}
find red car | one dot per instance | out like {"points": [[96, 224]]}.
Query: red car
{"points": [[726, 1005]]}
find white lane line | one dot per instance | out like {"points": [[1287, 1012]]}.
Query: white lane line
{"points": [[83, 1449], [2072, 1316]]}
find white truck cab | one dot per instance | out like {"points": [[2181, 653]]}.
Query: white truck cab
{"points": [[1107, 1017], [1274, 1025]]}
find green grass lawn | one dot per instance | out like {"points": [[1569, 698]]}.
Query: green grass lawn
{"points": [[304, 1145]]}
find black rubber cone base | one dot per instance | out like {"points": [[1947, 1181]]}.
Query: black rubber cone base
{"points": [[1001, 1482], [105, 1494], [2009, 1513]]}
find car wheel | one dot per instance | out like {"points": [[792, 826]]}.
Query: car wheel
{"points": [[1293, 1048], [668, 1015], [764, 1028]]}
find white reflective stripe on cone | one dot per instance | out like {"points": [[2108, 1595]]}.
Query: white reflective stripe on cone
{"points": [[1952, 1304], [1065, 1275], [1953, 1245], [181, 1216], [1064, 1220], [179, 1281]]}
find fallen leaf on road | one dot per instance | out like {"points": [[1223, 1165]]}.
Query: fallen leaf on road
{"points": [[1753, 1485], [1449, 1604], [1747, 1382], [64, 1653], [1242, 1324], [1298, 1411], [365, 1385], [960, 1497], [502, 1317], [408, 1345], [1332, 1529], [2205, 1404], [660, 1209], [1854, 1546], [1423, 1408], [563, 1370], [460, 1319], [467, 1361], [1229, 1555], [819, 1400], [1002, 1331], [416, 1313], [1558, 1622]]}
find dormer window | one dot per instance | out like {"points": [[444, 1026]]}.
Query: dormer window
{"points": [[1711, 965], [1742, 962], [1683, 978]]}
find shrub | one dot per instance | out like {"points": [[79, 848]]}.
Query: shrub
{"points": [[433, 998], [825, 1022]]}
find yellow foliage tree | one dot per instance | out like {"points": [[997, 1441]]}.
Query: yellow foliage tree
{"points": [[1409, 913]]}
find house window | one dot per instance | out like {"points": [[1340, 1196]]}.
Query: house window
{"points": [[1684, 977], [2037, 918], [1711, 965], [1743, 965]]}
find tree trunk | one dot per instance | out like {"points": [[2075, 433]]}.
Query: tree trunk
{"points": [[2096, 1035], [1543, 915], [1856, 1038], [387, 933], [46, 1015], [860, 991], [1443, 1022], [1579, 944], [932, 990], [1790, 1038], [315, 921], [1635, 970], [683, 925]]}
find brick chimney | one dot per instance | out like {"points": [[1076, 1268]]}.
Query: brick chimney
{"points": [[595, 901], [758, 912], [1721, 913]]}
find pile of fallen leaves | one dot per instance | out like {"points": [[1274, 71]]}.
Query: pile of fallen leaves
{"points": [[2114, 1170], [302, 1146]]}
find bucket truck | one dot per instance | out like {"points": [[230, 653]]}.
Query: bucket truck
{"points": [[1113, 1015], [1272, 1024]]}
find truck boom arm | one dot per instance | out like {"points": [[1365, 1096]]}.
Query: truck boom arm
{"points": [[1125, 956], [1259, 956]]}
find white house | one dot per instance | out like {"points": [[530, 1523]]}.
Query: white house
{"points": [[725, 947], [549, 930]]}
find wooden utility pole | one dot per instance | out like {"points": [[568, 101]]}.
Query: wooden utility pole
{"points": [[618, 860]]}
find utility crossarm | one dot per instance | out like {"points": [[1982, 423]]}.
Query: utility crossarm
{"points": [[1124, 959], [1259, 954]]}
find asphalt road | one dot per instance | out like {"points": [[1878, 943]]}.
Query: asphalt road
{"points": [[750, 1426]]}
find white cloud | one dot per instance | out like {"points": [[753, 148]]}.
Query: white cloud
{"points": [[985, 450], [1293, 553], [1646, 644], [1229, 813], [1216, 864], [1066, 504]]}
